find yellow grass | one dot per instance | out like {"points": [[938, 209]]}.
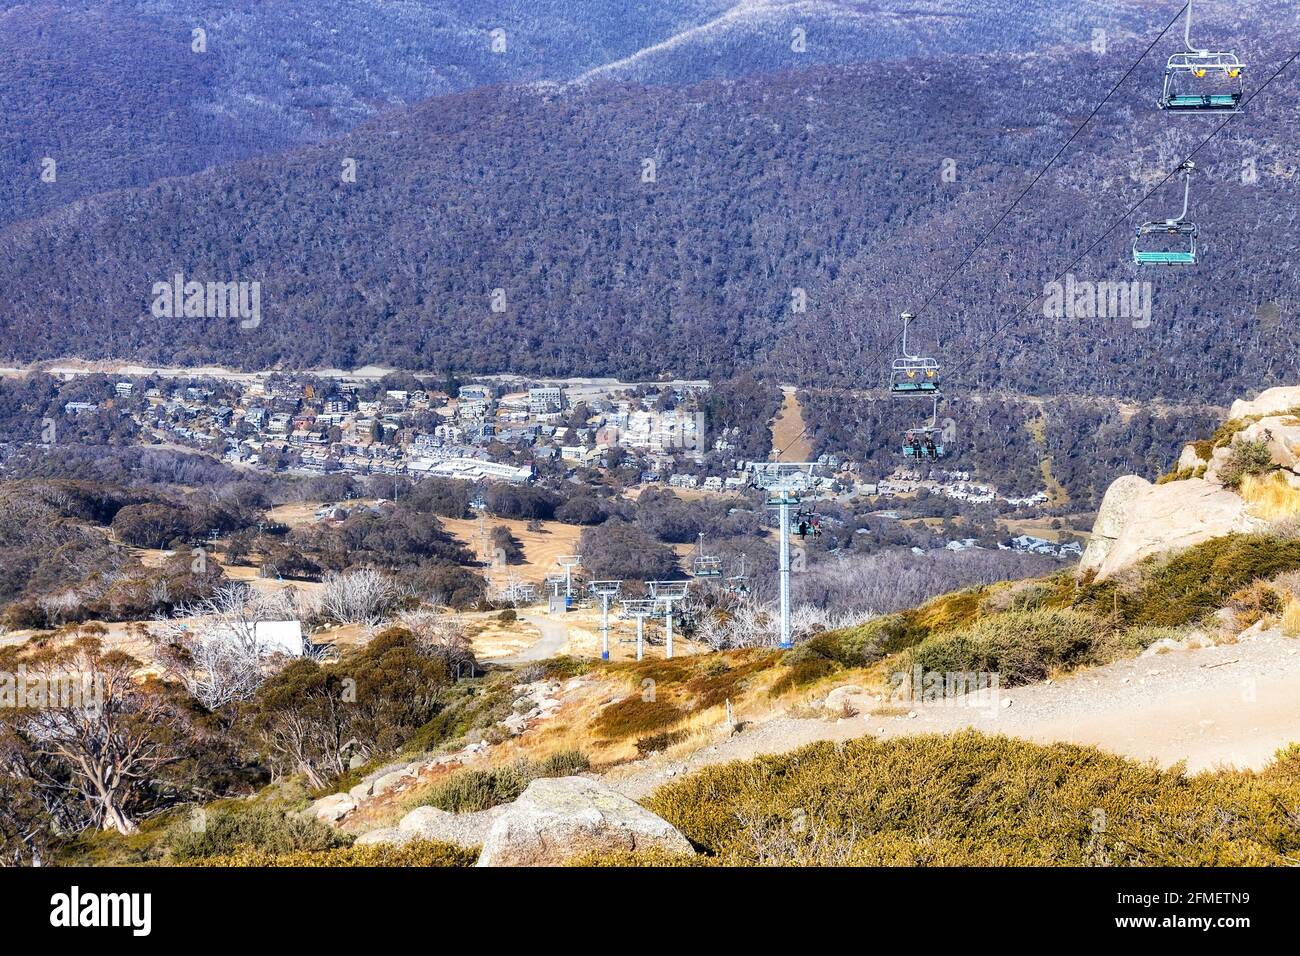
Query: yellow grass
{"points": [[1291, 619], [789, 442], [1270, 496], [492, 637], [540, 548]]}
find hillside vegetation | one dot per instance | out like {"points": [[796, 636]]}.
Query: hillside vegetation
{"points": [[280, 74], [974, 800], [761, 186]]}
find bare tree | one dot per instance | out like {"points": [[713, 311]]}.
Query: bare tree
{"points": [[109, 744], [212, 649], [440, 635], [748, 623], [363, 596]]}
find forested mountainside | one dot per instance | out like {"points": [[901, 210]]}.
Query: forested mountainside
{"points": [[114, 92], [760, 186], [1085, 441]]}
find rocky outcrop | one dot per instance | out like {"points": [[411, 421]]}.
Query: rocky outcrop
{"points": [[534, 702], [331, 809], [1112, 518], [1271, 401], [561, 817], [1138, 519], [468, 830]]}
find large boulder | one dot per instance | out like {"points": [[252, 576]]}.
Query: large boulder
{"points": [[331, 809], [463, 829], [388, 836], [1138, 520], [468, 830], [1112, 518], [850, 696], [561, 817], [1271, 401]]}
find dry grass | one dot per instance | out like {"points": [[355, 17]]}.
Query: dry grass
{"points": [[492, 637], [788, 440], [1270, 497], [1291, 619], [540, 548]]}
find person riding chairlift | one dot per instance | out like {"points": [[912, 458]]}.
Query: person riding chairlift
{"points": [[930, 448]]}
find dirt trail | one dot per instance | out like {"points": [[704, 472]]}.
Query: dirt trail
{"points": [[555, 638], [789, 441], [1232, 705]]}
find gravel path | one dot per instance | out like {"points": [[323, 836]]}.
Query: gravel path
{"points": [[1234, 704], [555, 637]]}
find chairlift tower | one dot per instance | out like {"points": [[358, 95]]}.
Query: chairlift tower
{"points": [[639, 608], [606, 591], [783, 482], [568, 562], [666, 592]]}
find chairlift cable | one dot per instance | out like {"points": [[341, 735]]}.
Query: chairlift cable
{"points": [[1125, 216], [881, 353], [1055, 156], [889, 347]]}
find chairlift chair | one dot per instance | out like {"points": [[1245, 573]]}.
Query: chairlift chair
{"points": [[923, 443], [704, 565], [738, 583], [1168, 242], [807, 522], [913, 374], [1202, 81]]}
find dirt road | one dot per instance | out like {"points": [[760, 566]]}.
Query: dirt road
{"points": [[554, 640], [1232, 705]]}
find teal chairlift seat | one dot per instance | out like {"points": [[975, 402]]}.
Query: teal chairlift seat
{"points": [[1169, 242], [1202, 81], [913, 374]]}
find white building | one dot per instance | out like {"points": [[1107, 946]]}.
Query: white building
{"points": [[471, 469]]}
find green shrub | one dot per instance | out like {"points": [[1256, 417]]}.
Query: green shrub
{"points": [[508, 616], [562, 763], [227, 828], [1198, 581], [867, 643], [806, 667], [658, 742], [563, 668], [1248, 458], [974, 800], [468, 791], [1135, 640], [416, 853], [1019, 646]]}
